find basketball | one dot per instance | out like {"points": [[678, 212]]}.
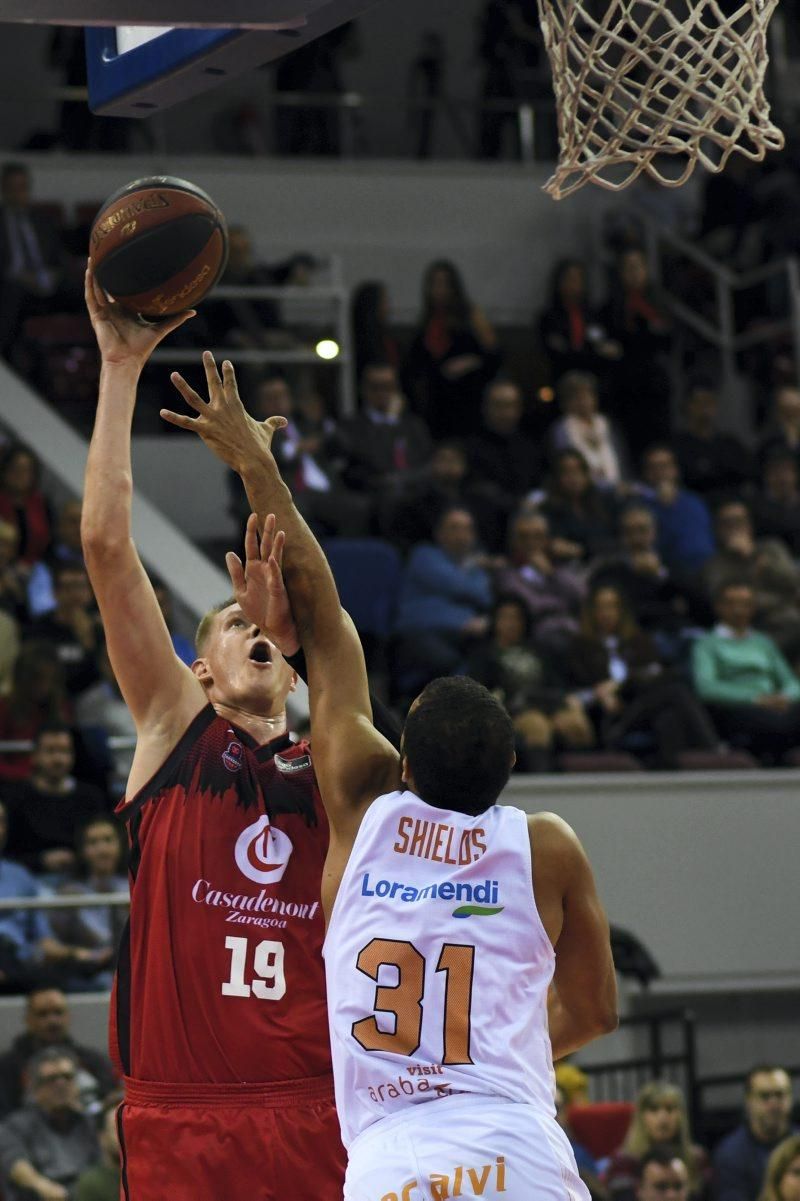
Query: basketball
{"points": [[158, 246]]}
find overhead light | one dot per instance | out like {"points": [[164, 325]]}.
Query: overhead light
{"points": [[326, 348]]}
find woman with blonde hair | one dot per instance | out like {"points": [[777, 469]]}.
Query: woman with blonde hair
{"points": [[782, 1179], [659, 1120]]}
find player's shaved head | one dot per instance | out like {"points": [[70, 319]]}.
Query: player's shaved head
{"points": [[207, 623]]}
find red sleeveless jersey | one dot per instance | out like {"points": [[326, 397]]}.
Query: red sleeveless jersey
{"points": [[220, 976]]}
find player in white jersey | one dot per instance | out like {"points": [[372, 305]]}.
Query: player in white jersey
{"points": [[466, 944]]}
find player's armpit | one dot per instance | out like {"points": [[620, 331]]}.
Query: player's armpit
{"points": [[353, 761], [583, 1000]]}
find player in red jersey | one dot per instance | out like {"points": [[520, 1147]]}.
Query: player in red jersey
{"points": [[218, 1015]]}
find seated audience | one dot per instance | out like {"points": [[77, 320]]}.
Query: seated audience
{"points": [[570, 332], [662, 600], [552, 592], [741, 1158], [685, 536], [749, 688], [500, 454], [581, 515], [509, 666], [776, 507], [88, 938], [72, 629], [782, 1180], [783, 428], [373, 340], [660, 1125], [621, 679], [14, 575], [101, 712], [712, 464], [452, 357], [587, 1164], [38, 697], [22, 931], [444, 603], [66, 548], [47, 1144], [47, 1025], [660, 1174], [584, 428], [766, 565], [385, 442], [23, 504], [243, 321], [46, 809], [445, 481], [102, 1181]]}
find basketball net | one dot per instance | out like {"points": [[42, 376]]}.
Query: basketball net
{"points": [[637, 80]]}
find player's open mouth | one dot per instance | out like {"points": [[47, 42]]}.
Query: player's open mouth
{"points": [[261, 653]]}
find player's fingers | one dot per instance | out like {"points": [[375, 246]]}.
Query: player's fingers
{"points": [[192, 398], [273, 424], [229, 386], [251, 538], [267, 536], [180, 419], [277, 548], [235, 571], [212, 375]]}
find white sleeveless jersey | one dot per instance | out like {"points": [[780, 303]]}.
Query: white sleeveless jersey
{"points": [[437, 963]]}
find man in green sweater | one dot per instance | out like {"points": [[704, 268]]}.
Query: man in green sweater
{"points": [[744, 679], [101, 1183]]}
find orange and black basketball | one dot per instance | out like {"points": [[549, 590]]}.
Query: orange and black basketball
{"points": [[158, 246]]}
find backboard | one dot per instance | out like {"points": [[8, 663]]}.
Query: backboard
{"points": [[146, 55]]}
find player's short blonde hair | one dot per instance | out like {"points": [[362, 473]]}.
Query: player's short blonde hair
{"points": [[207, 624]]}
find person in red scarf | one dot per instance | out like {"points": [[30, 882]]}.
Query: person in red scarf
{"points": [[453, 356], [635, 319], [571, 334], [23, 504]]}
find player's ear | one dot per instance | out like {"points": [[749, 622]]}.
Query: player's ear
{"points": [[202, 670], [293, 683]]}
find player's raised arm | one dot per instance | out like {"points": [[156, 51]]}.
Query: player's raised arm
{"points": [[161, 693], [354, 763], [583, 997]]}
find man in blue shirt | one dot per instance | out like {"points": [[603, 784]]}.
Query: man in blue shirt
{"points": [[740, 1159], [685, 534], [22, 931]]}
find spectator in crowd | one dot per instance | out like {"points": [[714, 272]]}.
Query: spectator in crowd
{"points": [[685, 536], [782, 1180], [743, 678], [47, 1025], [776, 508], [90, 937], [783, 430], [584, 428], [581, 515], [635, 319], [444, 603], [385, 442], [183, 646], [72, 629], [662, 600], [740, 1159], [445, 481], [38, 696], [45, 809], [660, 1124], [712, 463], [453, 355], [509, 666], [587, 1164], [243, 321], [45, 1145], [22, 931], [102, 1181], [23, 504], [31, 267], [621, 678], [662, 1174], [66, 548], [766, 565], [100, 712], [13, 610], [500, 454], [571, 334], [373, 340], [552, 592]]}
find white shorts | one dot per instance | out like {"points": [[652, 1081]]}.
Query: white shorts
{"points": [[464, 1147]]}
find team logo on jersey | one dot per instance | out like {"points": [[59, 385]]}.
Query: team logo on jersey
{"points": [[232, 756], [262, 852]]}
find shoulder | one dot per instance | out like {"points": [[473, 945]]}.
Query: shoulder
{"points": [[733, 1145], [552, 837]]}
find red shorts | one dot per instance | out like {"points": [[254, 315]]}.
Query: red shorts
{"points": [[256, 1142]]}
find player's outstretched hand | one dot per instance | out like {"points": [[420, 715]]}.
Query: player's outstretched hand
{"points": [[222, 422], [122, 337], [258, 584]]}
